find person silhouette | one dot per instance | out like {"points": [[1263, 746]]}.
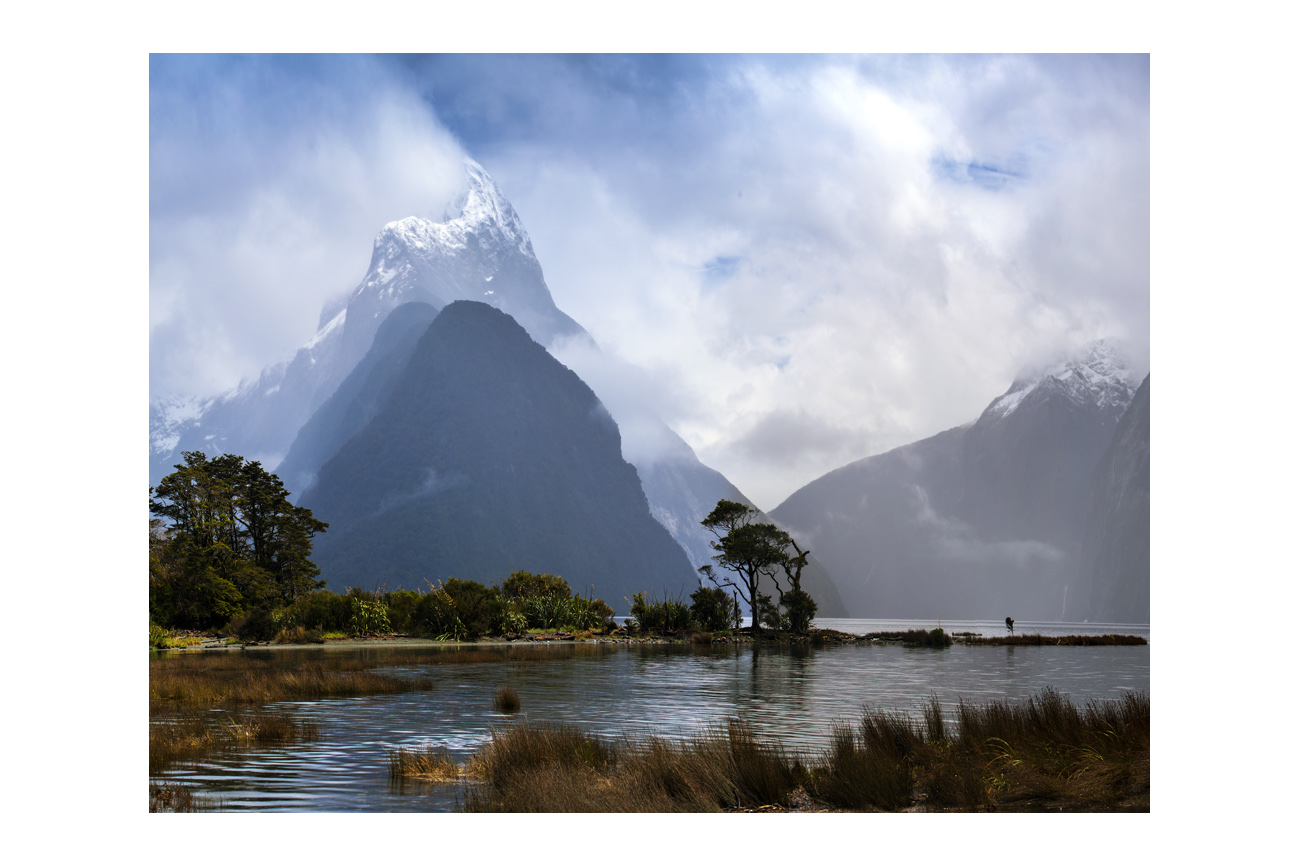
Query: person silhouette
{"points": [[1011, 625]]}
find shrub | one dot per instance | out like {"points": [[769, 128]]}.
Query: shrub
{"points": [[522, 584], [437, 616], [652, 615], [401, 608], [715, 609], [257, 625], [800, 608], [367, 616], [480, 608]]}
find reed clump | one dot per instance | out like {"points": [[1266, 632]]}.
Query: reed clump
{"points": [[506, 699], [230, 678], [172, 797], [193, 735], [433, 764], [542, 768]]}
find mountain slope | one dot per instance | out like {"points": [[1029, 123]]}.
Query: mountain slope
{"points": [[489, 457], [1114, 583], [980, 521]]}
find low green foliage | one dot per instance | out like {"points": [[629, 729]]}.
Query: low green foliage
{"points": [[715, 609], [670, 615]]}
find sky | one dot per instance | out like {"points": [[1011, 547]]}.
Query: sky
{"points": [[795, 261]]}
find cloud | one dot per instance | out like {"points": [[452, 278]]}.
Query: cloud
{"points": [[269, 178], [794, 261]]}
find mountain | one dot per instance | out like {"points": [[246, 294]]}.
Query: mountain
{"points": [[1115, 568], [480, 251], [298, 413], [489, 456], [978, 522], [358, 398]]}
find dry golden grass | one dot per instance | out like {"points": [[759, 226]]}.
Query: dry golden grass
{"points": [[192, 735], [1044, 754], [243, 678], [429, 764]]}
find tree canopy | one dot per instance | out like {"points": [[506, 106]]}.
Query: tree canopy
{"points": [[751, 550], [226, 538]]}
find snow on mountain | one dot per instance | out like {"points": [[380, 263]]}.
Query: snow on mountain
{"points": [[1097, 376], [480, 252]]}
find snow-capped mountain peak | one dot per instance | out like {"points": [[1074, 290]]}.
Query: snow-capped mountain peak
{"points": [[1097, 375]]}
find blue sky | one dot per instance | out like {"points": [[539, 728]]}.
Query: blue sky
{"points": [[794, 260]]}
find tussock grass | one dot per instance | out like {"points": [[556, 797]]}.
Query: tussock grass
{"points": [[193, 735], [433, 764], [299, 634], [170, 797], [542, 768], [506, 699], [230, 678], [1044, 754]]}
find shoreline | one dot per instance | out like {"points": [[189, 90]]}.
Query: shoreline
{"points": [[817, 638]]}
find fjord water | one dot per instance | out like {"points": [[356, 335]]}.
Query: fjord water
{"points": [[790, 695]]}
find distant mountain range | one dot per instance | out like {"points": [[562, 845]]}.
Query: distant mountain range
{"points": [[427, 423], [986, 520]]}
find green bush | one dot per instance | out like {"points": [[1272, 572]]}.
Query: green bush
{"points": [[715, 609], [800, 609], [257, 625], [662, 616], [437, 616], [522, 584], [401, 608], [367, 616], [481, 608]]}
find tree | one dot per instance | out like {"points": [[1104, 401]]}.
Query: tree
{"points": [[231, 539], [751, 550]]}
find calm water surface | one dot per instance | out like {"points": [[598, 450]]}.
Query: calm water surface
{"points": [[787, 694]]}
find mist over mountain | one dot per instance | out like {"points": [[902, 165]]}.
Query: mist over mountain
{"points": [[1115, 568], [358, 398], [488, 457], [298, 414], [981, 521], [480, 251]]}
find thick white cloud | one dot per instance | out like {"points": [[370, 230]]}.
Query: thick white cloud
{"points": [[794, 262], [853, 263]]}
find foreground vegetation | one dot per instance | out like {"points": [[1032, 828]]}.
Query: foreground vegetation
{"points": [[1044, 754]]}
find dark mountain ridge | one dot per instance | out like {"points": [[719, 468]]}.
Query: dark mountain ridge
{"points": [[487, 457]]}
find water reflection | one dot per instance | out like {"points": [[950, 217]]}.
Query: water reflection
{"points": [[788, 694]]}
